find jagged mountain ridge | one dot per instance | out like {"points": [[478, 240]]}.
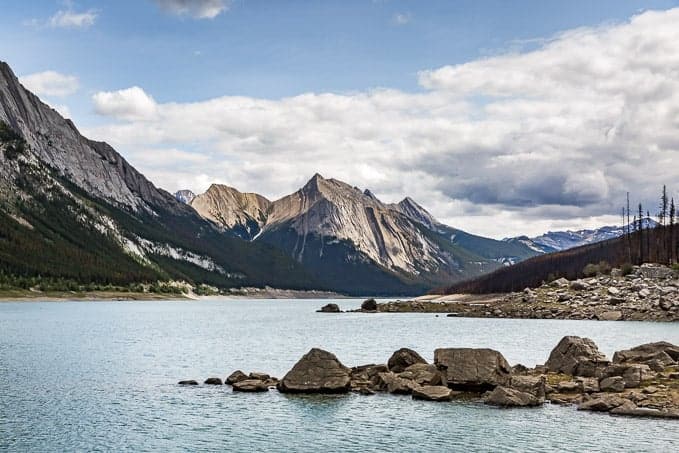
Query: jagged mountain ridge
{"points": [[73, 208], [327, 215]]}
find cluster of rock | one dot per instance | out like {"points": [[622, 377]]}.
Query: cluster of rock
{"points": [[642, 381], [649, 293]]}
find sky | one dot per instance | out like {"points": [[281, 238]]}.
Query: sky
{"points": [[501, 118]]}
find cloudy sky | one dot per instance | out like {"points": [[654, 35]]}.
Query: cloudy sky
{"points": [[501, 118]]}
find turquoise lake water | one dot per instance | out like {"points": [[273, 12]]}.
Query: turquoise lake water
{"points": [[83, 376]]}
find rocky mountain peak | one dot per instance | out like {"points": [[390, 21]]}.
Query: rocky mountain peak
{"points": [[410, 208], [184, 196]]}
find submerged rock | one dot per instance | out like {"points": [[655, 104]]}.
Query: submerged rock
{"points": [[576, 356], [188, 382], [508, 397], [329, 308], [251, 385], [213, 381], [318, 371], [472, 369], [402, 359]]}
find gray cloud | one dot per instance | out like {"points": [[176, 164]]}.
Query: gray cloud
{"points": [[515, 143]]}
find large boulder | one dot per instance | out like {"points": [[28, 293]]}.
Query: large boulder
{"points": [[236, 376], [576, 356], [633, 374], [423, 374], [472, 369], [369, 305], [534, 385], [432, 393], [392, 383], [329, 308], [508, 397], [213, 381], [612, 384], [318, 371], [661, 352], [365, 376], [402, 359]]}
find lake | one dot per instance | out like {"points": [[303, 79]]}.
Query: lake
{"points": [[80, 376]]}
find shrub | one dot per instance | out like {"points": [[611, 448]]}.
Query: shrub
{"points": [[626, 269], [590, 270]]}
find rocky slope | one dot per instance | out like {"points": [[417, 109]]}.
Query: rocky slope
{"points": [[339, 230], [649, 293]]}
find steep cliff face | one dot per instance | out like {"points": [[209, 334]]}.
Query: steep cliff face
{"points": [[242, 213], [94, 166]]}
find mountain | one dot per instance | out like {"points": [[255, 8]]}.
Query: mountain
{"points": [[73, 208], [184, 196], [563, 240], [341, 233]]}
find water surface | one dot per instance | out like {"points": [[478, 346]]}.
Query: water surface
{"points": [[102, 376]]}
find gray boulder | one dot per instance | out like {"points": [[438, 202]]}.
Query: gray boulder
{"points": [[213, 381], [392, 383], [666, 353], [508, 397], [318, 371], [402, 359], [423, 374], [432, 393], [534, 385], [472, 369], [576, 356]]}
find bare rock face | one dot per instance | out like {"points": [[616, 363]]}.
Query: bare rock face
{"points": [[318, 371], [402, 359], [467, 368], [231, 209], [432, 393], [509, 397], [576, 356]]}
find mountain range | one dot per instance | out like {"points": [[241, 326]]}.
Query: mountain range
{"points": [[74, 208]]}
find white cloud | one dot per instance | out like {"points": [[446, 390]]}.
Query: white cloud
{"points": [[72, 19], [198, 9], [50, 83], [401, 18], [129, 104], [513, 144]]}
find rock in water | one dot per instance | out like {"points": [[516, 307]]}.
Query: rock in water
{"points": [[318, 371], [665, 352], [250, 385], [602, 403], [472, 369], [188, 382], [329, 308], [213, 381], [576, 356], [236, 376], [369, 305], [503, 396], [432, 393], [402, 359]]}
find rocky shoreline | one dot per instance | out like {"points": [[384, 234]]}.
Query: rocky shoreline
{"points": [[642, 381], [648, 293]]}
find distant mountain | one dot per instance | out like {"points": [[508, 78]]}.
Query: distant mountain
{"points": [[184, 196], [562, 240], [344, 234]]}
